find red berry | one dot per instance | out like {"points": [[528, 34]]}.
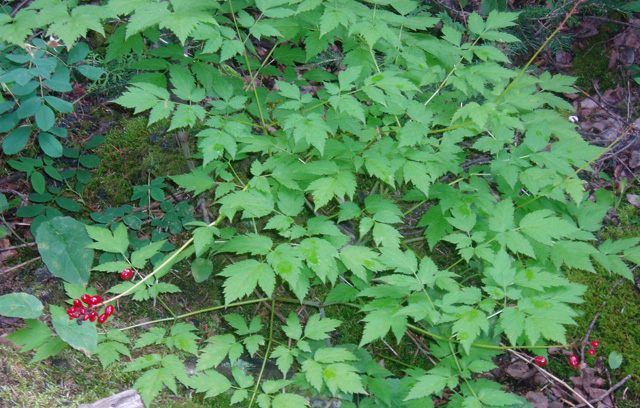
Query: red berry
{"points": [[126, 274], [92, 317], [574, 361], [82, 310], [86, 299], [71, 310], [77, 303], [95, 300], [85, 317], [592, 352], [76, 315], [595, 344], [102, 318], [71, 317], [109, 310], [540, 361]]}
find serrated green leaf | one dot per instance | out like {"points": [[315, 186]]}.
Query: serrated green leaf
{"points": [[211, 382], [198, 180], [254, 244], [317, 329], [116, 242], [427, 385], [139, 258], [542, 226], [29, 338], [243, 277]]}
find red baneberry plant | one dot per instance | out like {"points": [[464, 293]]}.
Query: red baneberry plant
{"points": [[395, 128]]}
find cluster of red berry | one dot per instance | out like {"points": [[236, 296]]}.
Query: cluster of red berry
{"points": [[574, 361], [82, 314]]}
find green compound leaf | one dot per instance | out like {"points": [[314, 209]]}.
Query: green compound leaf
{"points": [[243, 277], [32, 337], [317, 329], [81, 337], [116, 242], [49, 349], [211, 382], [62, 243], [20, 305]]}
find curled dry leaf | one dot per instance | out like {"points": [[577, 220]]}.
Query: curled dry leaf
{"points": [[634, 200]]}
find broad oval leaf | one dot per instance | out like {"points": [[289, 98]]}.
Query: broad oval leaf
{"points": [[50, 145], [16, 140], [20, 305], [62, 243], [82, 337]]}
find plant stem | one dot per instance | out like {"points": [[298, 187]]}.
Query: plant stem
{"points": [[266, 353]]}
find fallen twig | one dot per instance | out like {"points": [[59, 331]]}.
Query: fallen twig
{"points": [[606, 394], [556, 379], [13, 268]]}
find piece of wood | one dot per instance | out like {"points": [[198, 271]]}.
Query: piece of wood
{"points": [[126, 399]]}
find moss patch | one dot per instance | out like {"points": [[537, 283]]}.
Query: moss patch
{"points": [[616, 329], [591, 61], [133, 154]]}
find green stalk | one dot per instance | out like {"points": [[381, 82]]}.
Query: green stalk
{"points": [[266, 353]]}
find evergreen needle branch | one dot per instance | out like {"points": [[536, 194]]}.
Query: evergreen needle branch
{"points": [[538, 51]]}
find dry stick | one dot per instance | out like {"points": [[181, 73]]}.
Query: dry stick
{"points": [[17, 246], [585, 340], [548, 374], [13, 268], [606, 394]]}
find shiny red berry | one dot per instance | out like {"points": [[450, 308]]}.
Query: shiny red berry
{"points": [[126, 274], [109, 310], [71, 317], [95, 300], [595, 344], [76, 315], [591, 352], [86, 299], [92, 317], [540, 361], [102, 318], [85, 317], [93, 313], [574, 361], [77, 303], [71, 310], [82, 310]]}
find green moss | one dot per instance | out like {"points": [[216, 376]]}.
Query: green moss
{"points": [[591, 61], [132, 154], [616, 328]]}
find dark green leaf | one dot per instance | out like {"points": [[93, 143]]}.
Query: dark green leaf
{"points": [[62, 243]]}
